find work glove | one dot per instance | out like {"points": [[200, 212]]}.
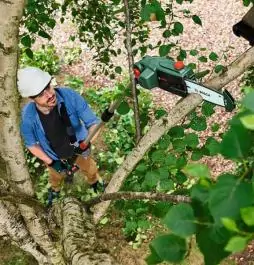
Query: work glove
{"points": [[58, 166]]}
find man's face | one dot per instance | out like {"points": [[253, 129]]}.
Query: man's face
{"points": [[47, 98]]}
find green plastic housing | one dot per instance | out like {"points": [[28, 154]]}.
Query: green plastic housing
{"points": [[151, 66]]}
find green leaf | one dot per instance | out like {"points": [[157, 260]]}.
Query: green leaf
{"points": [[179, 2], [198, 124], [248, 121], [166, 33], [237, 244], [193, 52], [191, 140], [170, 248], [153, 8], [247, 215], [104, 220], [176, 132], [248, 101], [29, 53], [178, 145], [170, 160], [192, 66], [215, 127], [207, 240], [164, 142], [153, 258], [236, 143], [197, 170], [197, 20], [160, 209], [228, 196], [219, 68], [26, 41], [213, 56], [160, 113], [202, 59], [166, 185], [180, 220], [123, 108], [180, 177], [213, 146], [200, 193], [44, 34], [230, 224], [181, 162], [33, 26], [118, 70], [182, 55], [164, 50], [197, 155], [158, 156], [207, 109], [141, 167], [246, 2], [151, 179], [178, 28]]}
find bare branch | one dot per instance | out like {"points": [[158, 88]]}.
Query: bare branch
{"points": [[138, 196], [19, 198], [131, 64]]}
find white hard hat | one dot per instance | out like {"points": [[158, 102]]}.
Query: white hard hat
{"points": [[31, 81]]}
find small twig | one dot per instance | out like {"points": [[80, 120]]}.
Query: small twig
{"points": [[137, 196]]}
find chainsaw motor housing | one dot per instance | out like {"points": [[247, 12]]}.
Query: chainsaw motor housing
{"points": [[161, 72], [176, 78]]}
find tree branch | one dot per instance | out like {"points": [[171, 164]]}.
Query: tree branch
{"points": [[138, 196], [160, 127], [19, 198], [131, 64]]}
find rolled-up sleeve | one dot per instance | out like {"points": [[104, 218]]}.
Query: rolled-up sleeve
{"points": [[27, 134], [84, 111]]}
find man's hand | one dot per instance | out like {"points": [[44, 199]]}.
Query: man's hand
{"points": [[58, 166], [83, 149]]}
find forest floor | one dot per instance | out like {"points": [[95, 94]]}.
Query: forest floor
{"points": [[216, 35]]}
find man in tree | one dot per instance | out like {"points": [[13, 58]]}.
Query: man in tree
{"points": [[54, 126]]}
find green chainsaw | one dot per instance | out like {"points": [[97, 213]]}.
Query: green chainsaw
{"points": [[175, 77]]}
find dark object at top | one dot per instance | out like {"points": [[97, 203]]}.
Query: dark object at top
{"points": [[245, 28]]}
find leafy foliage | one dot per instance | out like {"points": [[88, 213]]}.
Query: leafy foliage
{"points": [[45, 59], [221, 213]]}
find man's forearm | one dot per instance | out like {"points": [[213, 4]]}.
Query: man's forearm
{"points": [[90, 130], [37, 151]]}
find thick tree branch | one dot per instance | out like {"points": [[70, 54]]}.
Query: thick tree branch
{"points": [[161, 126], [18, 198], [138, 196], [16, 230], [78, 236], [131, 63]]}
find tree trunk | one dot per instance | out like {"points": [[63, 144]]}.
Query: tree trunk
{"points": [[21, 223], [78, 236]]}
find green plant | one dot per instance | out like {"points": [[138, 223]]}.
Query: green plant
{"points": [[45, 58], [75, 83], [72, 55], [119, 136]]}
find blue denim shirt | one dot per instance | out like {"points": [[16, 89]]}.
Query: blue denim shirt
{"points": [[80, 114]]}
